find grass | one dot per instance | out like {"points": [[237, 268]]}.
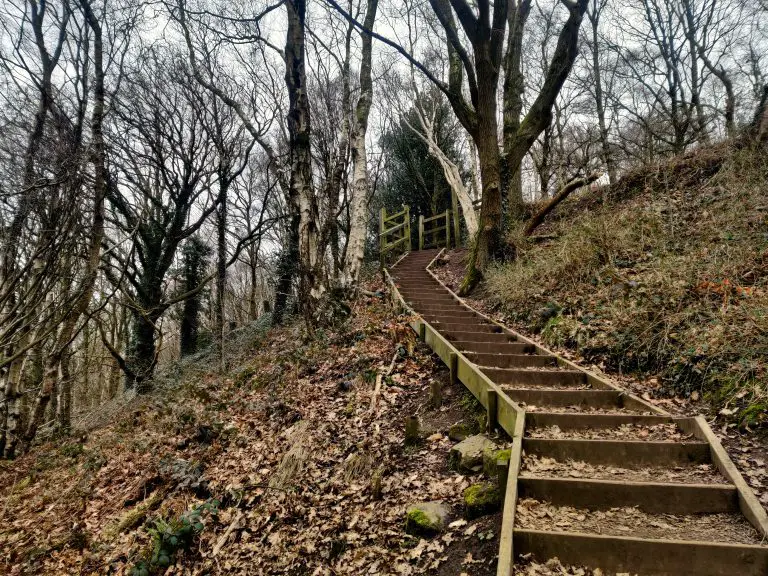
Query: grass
{"points": [[669, 279]]}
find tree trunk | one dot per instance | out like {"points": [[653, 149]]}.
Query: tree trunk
{"points": [[597, 74], [358, 224], [221, 268], [301, 191], [84, 291]]}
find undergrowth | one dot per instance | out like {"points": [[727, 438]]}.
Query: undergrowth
{"points": [[670, 279]]}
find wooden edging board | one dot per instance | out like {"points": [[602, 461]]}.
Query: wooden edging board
{"points": [[507, 414], [748, 503]]}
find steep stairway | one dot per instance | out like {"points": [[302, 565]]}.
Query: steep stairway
{"points": [[604, 480]]}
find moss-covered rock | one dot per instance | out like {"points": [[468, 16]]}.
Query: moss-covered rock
{"points": [[490, 459], [467, 455], [481, 499], [459, 431], [426, 518]]}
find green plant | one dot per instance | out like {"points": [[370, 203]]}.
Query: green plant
{"points": [[171, 536]]}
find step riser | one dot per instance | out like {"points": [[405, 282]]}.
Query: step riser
{"points": [[470, 327], [485, 347], [582, 421], [504, 377], [511, 360], [653, 498], [487, 337], [562, 398], [646, 557], [616, 453]]}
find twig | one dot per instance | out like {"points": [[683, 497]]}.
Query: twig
{"points": [[379, 377]]}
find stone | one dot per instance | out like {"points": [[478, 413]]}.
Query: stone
{"points": [[426, 518], [490, 459], [481, 499], [459, 432], [467, 455]]}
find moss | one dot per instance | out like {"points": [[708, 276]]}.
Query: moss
{"points": [[481, 499], [459, 431], [491, 457], [421, 520]]}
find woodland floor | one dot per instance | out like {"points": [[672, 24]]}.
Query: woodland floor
{"points": [[283, 450]]}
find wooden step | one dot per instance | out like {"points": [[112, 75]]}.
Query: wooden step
{"points": [[579, 399], [473, 336], [510, 360], [518, 376], [582, 421], [614, 554], [651, 497], [624, 453], [485, 347], [476, 326]]}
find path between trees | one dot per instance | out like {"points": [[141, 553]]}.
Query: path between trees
{"points": [[598, 478]]}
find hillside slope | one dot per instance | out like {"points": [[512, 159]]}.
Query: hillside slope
{"points": [[662, 284], [292, 463], [667, 277]]}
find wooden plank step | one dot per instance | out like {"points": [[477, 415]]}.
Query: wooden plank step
{"points": [[651, 497], [510, 360], [455, 317], [580, 399], [614, 554], [472, 336], [624, 453], [475, 326], [485, 347], [515, 376], [582, 421]]}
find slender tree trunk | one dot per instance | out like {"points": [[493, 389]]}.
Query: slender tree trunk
{"points": [[64, 404], [301, 191], [597, 75], [84, 291], [514, 87], [221, 268], [358, 225]]}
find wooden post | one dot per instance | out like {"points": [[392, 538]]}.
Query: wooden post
{"points": [[421, 232], [423, 331], [456, 229], [453, 366], [382, 237], [408, 226], [447, 229], [502, 474], [493, 414]]}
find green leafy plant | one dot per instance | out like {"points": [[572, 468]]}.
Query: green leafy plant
{"points": [[171, 536]]}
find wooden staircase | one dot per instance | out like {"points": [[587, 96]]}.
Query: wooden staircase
{"points": [[598, 477]]}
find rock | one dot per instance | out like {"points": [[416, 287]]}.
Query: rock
{"points": [[426, 518], [467, 455], [481, 499], [459, 432], [491, 457]]}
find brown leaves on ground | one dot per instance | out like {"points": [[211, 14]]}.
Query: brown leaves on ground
{"points": [[287, 443]]}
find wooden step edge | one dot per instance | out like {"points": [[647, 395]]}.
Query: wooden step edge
{"points": [[748, 502], [651, 497], [624, 453], [643, 556], [575, 421], [564, 397]]}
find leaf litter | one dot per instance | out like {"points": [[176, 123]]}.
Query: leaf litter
{"points": [[287, 443]]}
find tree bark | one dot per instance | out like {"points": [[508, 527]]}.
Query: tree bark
{"points": [[358, 225], [301, 192]]}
